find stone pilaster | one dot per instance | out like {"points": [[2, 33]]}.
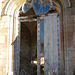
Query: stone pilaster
{"points": [[3, 44]]}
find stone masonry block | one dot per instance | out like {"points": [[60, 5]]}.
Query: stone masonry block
{"points": [[2, 39]]}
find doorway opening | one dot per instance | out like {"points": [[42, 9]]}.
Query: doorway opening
{"points": [[28, 47], [39, 43], [28, 44]]}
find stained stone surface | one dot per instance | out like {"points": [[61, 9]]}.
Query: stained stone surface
{"points": [[50, 44]]}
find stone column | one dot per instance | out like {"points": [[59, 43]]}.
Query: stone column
{"points": [[6, 46], [50, 45], [38, 46], [10, 46], [16, 45]]}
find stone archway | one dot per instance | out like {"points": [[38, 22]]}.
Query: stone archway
{"points": [[11, 12]]}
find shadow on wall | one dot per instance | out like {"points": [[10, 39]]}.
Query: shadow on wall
{"points": [[27, 44], [28, 67], [15, 54], [74, 72]]}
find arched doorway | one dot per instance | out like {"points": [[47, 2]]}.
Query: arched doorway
{"points": [[15, 35], [48, 41]]}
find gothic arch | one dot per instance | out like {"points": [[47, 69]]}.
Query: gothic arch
{"points": [[13, 5], [12, 11]]}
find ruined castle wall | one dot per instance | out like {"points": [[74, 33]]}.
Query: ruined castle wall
{"points": [[3, 44], [69, 38]]}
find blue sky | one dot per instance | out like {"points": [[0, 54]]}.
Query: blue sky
{"points": [[42, 31], [38, 8]]}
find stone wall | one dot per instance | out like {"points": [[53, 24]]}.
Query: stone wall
{"points": [[3, 45], [69, 38], [25, 52]]}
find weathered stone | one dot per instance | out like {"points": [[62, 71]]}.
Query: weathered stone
{"points": [[9, 34]]}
